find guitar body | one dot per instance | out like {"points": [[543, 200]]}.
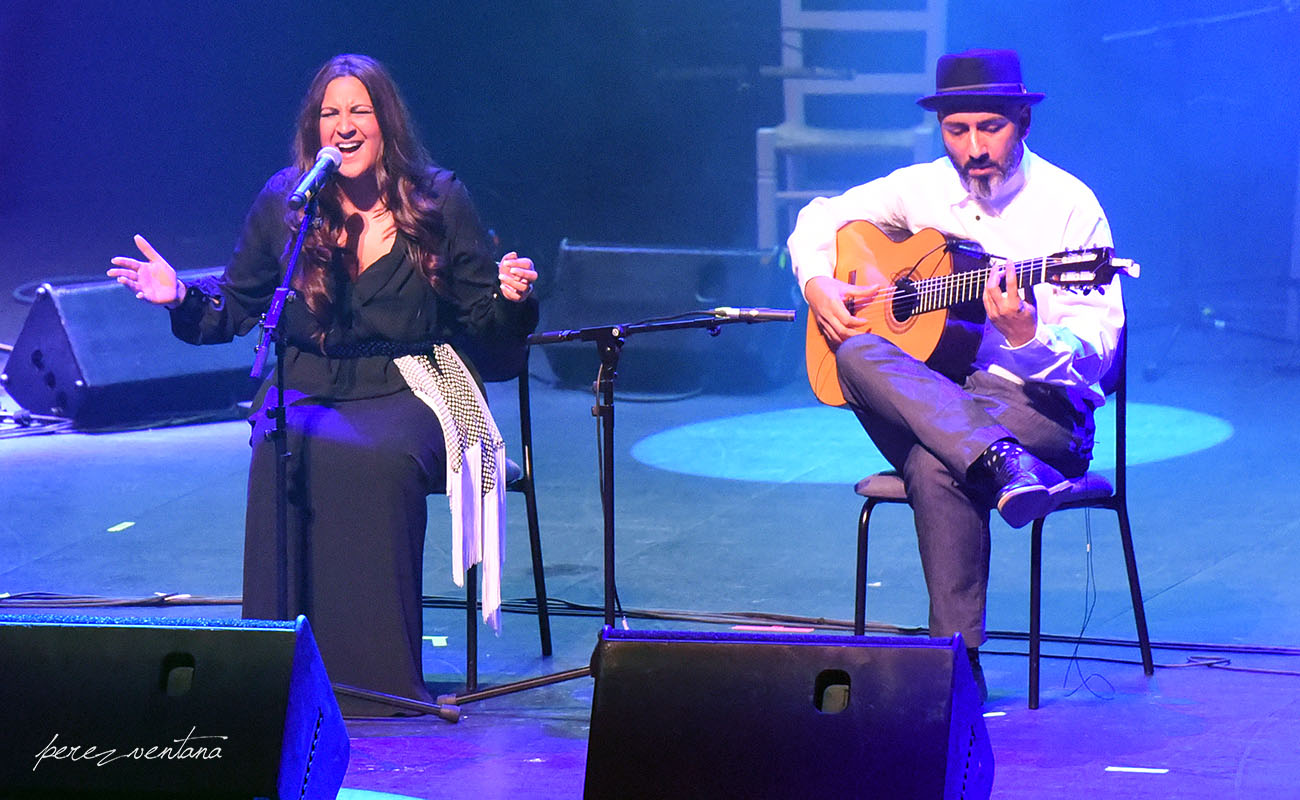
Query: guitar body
{"points": [[946, 339]]}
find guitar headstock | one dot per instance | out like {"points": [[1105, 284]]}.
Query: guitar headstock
{"points": [[1087, 269]]}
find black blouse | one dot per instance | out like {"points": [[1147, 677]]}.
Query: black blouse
{"points": [[390, 301]]}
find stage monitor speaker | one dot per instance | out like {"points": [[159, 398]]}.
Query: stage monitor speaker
{"points": [[94, 353], [784, 716], [99, 708], [599, 284]]}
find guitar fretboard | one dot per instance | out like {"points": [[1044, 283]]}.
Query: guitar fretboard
{"points": [[943, 291]]}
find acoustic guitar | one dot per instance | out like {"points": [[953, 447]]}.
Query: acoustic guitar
{"points": [[933, 308]]}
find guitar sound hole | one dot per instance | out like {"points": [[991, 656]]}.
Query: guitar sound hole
{"points": [[905, 301]]}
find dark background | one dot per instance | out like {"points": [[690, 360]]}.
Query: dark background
{"points": [[624, 121]]}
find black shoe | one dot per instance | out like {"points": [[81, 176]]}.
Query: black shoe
{"points": [[1023, 486], [973, 653]]}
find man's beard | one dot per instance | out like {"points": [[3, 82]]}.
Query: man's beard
{"points": [[985, 187]]}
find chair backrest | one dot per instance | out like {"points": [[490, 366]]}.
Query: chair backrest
{"points": [[830, 55], [850, 75], [497, 362], [1113, 380], [494, 361], [1115, 384]]}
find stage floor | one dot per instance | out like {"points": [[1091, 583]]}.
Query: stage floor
{"points": [[134, 513]]}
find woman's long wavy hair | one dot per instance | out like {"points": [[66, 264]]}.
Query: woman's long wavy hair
{"points": [[403, 172]]}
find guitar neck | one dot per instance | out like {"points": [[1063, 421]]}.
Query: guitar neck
{"points": [[942, 291]]}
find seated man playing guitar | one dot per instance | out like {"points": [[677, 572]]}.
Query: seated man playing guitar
{"points": [[1004, 429]]}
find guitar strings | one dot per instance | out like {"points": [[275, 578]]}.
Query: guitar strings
{"points": [[890, 292], [939, 291]]}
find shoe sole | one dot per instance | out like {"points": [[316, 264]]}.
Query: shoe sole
{"points": [[1022, 506]]}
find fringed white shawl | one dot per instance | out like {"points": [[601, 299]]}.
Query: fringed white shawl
{"points": [[476, 465]]}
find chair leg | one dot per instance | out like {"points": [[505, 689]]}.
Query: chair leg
{"points": [[539, 575], [860, 595], [471, 628], [1035, 607], [765, 185], [1135, 590]]}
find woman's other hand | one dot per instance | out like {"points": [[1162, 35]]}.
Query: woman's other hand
{"points": [[517, 277]]}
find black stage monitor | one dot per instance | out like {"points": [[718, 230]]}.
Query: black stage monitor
{"points": [[724, 715], [99, 708]]}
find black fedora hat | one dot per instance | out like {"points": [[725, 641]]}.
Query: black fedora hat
{"points": [[978, 78]]}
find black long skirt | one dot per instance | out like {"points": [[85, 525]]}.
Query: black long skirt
{"points": [[359, 475]]}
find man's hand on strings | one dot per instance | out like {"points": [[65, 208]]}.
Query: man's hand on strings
{"points": [[829, 300], [1015, 317]]}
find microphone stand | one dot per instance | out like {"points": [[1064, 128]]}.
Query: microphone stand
{"points": [[609, 340], [279, 435]]}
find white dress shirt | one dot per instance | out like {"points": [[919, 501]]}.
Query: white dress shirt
{"points": [[1040, 210]]}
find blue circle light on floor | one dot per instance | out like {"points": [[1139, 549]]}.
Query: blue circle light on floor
{"points": [[820, 444]]}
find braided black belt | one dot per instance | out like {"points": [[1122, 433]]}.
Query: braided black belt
{"points": [[381, 347]]}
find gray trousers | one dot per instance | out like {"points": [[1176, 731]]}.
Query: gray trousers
{"points": [[932, 430]]}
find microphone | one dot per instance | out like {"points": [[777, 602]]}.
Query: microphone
{"points": [[327, 163], [551, 337], [754, 314]]}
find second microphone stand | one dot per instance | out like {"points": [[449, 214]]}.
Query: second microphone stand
{"points": [[609, 340]]}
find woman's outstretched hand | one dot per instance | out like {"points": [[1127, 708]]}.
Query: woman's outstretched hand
{"points": [[517, 277], [152, 279]]}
